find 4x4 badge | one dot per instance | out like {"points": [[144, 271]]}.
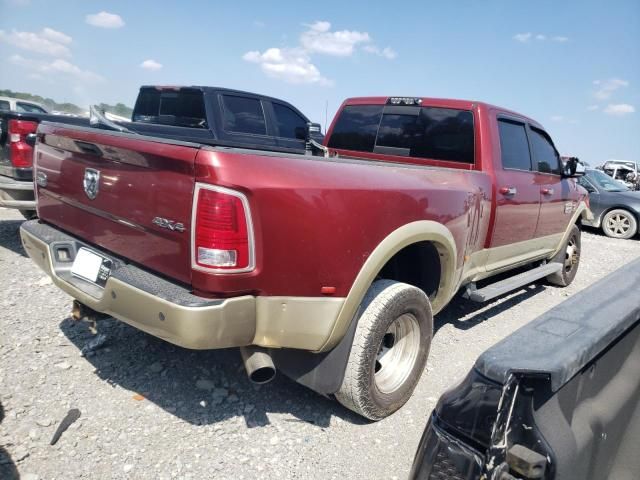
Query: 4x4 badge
{"points": [[91, 182]]}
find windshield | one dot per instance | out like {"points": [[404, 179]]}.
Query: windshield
{"points": [[604, 181]]}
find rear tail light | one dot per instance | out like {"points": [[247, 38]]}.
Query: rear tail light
{"points": [[21, 153], [222, 233]]}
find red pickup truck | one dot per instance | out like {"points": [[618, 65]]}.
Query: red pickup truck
{"points": [[328, 267]]}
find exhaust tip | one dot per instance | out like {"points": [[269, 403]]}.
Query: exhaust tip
{"points": [[262, 375], [258, 364]]}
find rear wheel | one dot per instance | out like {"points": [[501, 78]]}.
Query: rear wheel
{"points": [[389, 350], [619, 223], [569, 257]]}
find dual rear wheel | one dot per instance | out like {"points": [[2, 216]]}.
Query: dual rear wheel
{"points": [[389, 351]]}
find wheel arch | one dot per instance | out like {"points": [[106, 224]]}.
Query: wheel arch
{"points": [[405, 236], [626, 208], [581, 211]]}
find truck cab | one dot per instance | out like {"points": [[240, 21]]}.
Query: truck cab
{"points": [[221, 116], [533, 200]]}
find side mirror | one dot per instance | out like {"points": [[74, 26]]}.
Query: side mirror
{"points": [[313, 139], [573, 168], [300, 133], [313, 130], [31, 139]]}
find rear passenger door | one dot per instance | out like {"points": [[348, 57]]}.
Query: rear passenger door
{"points": [[555, 203], [517, 195], [244, 120]]}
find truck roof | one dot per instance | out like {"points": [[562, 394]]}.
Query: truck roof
{"points": [[209, 89], [437, 102]]}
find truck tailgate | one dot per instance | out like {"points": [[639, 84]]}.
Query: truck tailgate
{"points": [[140, 179]]}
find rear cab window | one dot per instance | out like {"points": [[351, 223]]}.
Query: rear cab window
{"points": [[183, 107], [425, 132], [4, 106]]}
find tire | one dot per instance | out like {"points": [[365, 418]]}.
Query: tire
{"points": [[382, 371], [569, 257], [619, 223], [29, 214]]}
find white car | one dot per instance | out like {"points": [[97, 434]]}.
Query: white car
{"points": [[19, 105]]}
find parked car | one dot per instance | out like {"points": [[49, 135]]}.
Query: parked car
{"points": [[194, 114], [627, 172], [9, 104], [615, 207], [327, 267], [557, 399]]}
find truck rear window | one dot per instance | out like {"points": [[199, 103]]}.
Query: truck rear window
{"points": [[182, 108], [430, 132]]}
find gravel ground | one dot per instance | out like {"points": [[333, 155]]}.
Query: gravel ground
{"points": [[153, 410]]}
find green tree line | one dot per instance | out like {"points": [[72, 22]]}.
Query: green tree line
{"points": [[117, 109]]}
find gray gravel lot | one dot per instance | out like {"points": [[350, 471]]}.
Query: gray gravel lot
{"points": [[153, 410]]}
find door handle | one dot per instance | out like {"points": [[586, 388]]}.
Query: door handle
{"points": [[508, 191], [547, 191]]}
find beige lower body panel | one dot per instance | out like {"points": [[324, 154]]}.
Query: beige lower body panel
{"points": [[295, 322], [276, 322]]}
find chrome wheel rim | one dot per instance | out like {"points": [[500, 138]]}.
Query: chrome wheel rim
{"points": [[618, 225], [572, 256], [397, 353]]}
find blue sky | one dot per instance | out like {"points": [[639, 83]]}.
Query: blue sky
{"points": [[572, 65]]}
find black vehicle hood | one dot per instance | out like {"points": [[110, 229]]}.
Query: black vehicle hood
{"points": [[562, 341]]}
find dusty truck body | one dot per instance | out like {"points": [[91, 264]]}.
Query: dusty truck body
{"points": [[297, 258]]}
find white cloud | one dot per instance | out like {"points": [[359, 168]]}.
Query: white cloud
{"points": [[105, 20], [557, 118], [607, 87], [55, 36], [289, 64], [295, 65], [57, 66], [387, 52], [47, 42], [320, 39], [619, 109], [526, 37], [523, 37], [151, 65], [259, 24], [593, 108]]}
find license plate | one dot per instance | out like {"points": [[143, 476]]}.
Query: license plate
{"points": [[90, 266]]}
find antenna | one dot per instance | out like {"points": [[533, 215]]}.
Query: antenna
{"points": [[326, 108]]}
